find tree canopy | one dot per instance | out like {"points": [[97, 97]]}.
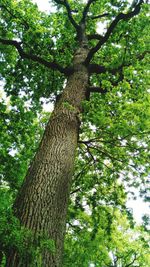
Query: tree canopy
{"points": [[37, 50]]}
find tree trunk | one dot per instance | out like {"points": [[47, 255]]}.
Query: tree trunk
{"points": [[41, 205]]}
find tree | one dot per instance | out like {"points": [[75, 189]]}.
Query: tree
{"points": [[115, 244], [99, 82]]}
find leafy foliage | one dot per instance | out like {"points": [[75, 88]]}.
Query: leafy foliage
{"points": [[114, 244], [113, 154]]}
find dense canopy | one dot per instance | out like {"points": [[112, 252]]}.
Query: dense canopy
{"points": [[112, 159]]}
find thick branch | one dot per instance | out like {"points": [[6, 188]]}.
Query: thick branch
{"points": [[69, 11], [86, 10], [98, 69], [95, 36], [51, 65], [95, 68], [111, 28], [96, 89], [100, 16]]}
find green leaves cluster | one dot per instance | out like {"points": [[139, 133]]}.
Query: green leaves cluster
{"points": [[113, 154], [14, 236], [21, 135], [121, 246]]}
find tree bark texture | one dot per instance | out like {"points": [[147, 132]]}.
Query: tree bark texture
{"points": [[43, 199]]}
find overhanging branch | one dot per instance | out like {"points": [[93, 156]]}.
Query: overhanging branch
{"points": [[51, 65], [111, 28]]}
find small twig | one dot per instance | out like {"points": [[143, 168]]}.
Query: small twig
{"points": [[76, 190]]}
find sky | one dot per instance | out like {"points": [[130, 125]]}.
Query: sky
{"points": [[43, 5]]}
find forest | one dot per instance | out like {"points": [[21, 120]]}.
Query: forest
{"points": [[68, 171]]}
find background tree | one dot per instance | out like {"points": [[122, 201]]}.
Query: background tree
{"points": [[116, 243], [61, 56]]}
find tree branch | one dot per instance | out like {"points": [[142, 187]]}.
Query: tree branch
{"points": [[100, 16], [98, 69], [141, 56], [114, 141], [131, 263], [69, 10], [51, 65], [86, 10], [111, 28], [96, 89], [95, 36], [95, 68], [75, 191], [22, 22]]}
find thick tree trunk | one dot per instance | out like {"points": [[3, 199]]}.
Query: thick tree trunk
{"points": [[43, 200]]}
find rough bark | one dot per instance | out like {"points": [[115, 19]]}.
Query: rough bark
{"points": [[43, 199]]}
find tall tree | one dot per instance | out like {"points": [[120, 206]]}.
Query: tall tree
{"points": [[99, 82]]}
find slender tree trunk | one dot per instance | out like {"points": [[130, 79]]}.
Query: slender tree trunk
{"points": [[43, 199]]}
